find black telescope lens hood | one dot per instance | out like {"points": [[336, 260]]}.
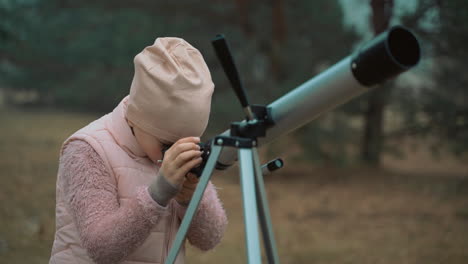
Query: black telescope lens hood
{"points": [[390, 53]]}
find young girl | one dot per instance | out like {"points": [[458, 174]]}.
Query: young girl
{"points": [[119, 199]]}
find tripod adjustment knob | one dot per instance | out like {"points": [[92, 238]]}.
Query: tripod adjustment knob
{"points": [[272, 165]]}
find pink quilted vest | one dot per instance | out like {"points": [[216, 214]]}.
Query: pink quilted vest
{"points": [[110, 136]]}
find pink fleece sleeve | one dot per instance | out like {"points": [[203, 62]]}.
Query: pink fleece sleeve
{"points": [[209, 223], [109, 232]]}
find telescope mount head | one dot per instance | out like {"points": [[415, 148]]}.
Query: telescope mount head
{"points": [[258, 118]]}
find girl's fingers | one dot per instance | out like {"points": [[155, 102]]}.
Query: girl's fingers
{"points": [[188, 140], [192, 178], [182, 157], [176, 150], [186, 157], [189, 165]]}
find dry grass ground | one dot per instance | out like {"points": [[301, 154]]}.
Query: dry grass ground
{"points": [[414, 211]]}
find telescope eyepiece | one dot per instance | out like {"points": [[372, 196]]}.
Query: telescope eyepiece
{"points": [[206, 151]]}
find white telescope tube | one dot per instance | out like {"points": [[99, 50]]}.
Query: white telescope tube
{"points": [[386, 56]]}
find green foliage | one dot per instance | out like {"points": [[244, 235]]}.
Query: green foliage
{"points": [[16, 16], [79, 55], [329, 140], [439, 110]]}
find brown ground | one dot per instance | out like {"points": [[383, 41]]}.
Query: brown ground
{"points": [[413, 211]]}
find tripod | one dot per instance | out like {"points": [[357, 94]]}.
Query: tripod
{"points": [[254, 199], [243, 137]]}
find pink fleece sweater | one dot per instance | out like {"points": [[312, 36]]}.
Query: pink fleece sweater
{"points": [[110, 232]]}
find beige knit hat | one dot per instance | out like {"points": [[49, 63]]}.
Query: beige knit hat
{"points": [[170, 96]]}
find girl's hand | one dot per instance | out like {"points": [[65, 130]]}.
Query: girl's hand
{"points": [[180, 158], [184, 196]]}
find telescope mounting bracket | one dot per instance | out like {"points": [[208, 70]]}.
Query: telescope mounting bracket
{"points": [[253, 128]]}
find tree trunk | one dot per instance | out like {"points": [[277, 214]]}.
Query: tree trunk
{"points": [[243, 15], [278, 38], [374, 117]]}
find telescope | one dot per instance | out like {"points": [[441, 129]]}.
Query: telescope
{"points": [[384, 57]]}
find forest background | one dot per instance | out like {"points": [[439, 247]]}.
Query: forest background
{"points": [[65, 63]]}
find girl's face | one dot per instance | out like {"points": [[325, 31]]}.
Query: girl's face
{"points": [[152, 146]]}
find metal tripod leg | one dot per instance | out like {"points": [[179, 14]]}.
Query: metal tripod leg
{"points": [[193, 205], [264, 212], [247, 175]]}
